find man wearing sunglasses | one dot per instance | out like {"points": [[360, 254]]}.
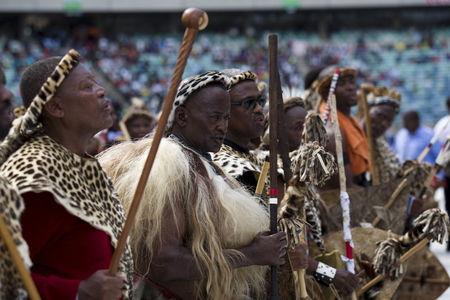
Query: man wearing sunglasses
{"points": [[246, 123]]}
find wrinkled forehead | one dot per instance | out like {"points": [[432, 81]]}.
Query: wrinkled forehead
{"points": [[208, 97], [244, 89], [79, 73]]}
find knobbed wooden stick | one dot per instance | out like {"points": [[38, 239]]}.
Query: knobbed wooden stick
{"points": [[373, 168], [419, 246], [194, 19], [18, 262], [262, 177]]}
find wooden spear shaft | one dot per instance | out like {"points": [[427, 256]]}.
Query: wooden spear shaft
{"points": [[194, 19], [373, 167], [343, 189], [18, 262], [419, 246], [273, 149], [262, 177]]}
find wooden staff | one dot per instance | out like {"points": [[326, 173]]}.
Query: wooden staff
{"points": [[419, 246], [370, 142], [345, 200], [193, 19], [262, 177], [435, 138], [282, 137], [273, 150], [17, 261], [301, 273], [124, 129]]}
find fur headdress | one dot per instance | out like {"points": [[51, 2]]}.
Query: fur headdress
{"points": [[236, 75], [383, 95], [29, 124], [326, 75], [137, 108], [192, 84]]}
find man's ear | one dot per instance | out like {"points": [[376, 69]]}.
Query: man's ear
{"points": [[181, 116], [54, 107]]}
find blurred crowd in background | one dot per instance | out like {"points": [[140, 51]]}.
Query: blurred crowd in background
{"points": [[415, 62]]}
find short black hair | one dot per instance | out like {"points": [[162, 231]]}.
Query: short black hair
{"points": [[312, 76], [411, 114], [35, 76]]}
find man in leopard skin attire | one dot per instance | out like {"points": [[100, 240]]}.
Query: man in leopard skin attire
{"points": [[72, 217]]}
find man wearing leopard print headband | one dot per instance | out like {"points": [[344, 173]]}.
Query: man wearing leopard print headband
{"points": [[200, 235], [246, 123], [384, 105], [72, 216]]}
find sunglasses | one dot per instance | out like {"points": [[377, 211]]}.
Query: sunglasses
{"points": [[251, 103]]}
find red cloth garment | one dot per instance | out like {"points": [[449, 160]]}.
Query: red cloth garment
{"points": [[64, 249]]}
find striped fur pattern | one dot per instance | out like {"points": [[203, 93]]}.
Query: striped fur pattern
{"points": [[29, 124], [432, 224]]}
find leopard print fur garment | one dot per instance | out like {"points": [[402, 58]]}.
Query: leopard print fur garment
{"points": [[235, 163], [11, 208], [78, 184]]}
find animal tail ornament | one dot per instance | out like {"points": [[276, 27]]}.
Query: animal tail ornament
{"points": [[431, 225], [313, 166]]}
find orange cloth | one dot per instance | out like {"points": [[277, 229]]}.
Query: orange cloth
{"points": [[356, 142]]}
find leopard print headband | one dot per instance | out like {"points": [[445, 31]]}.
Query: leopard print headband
{"points": [[29, 124], [246, 75], [191, 85]]}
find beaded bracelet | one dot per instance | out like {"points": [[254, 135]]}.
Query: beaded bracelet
{"points": [[324, 273]]}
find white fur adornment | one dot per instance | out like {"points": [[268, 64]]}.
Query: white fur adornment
{"points": [[173, 182]]}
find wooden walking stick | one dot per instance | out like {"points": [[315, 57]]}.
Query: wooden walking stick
{"points": [[262, 177], [124, 129], [194, 19], [431, 225], [345, 199], [372, 166], [273, 150], [6, 237]]}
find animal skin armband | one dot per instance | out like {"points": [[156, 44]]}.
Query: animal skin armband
{"points": [[324, 273]]}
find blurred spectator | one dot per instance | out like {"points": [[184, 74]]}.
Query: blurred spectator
{"points": [[6, 112], [442, 127], [413, 138], [138, 120]]}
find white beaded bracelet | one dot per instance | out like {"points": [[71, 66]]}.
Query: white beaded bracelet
{"points": [[324, 273]]}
